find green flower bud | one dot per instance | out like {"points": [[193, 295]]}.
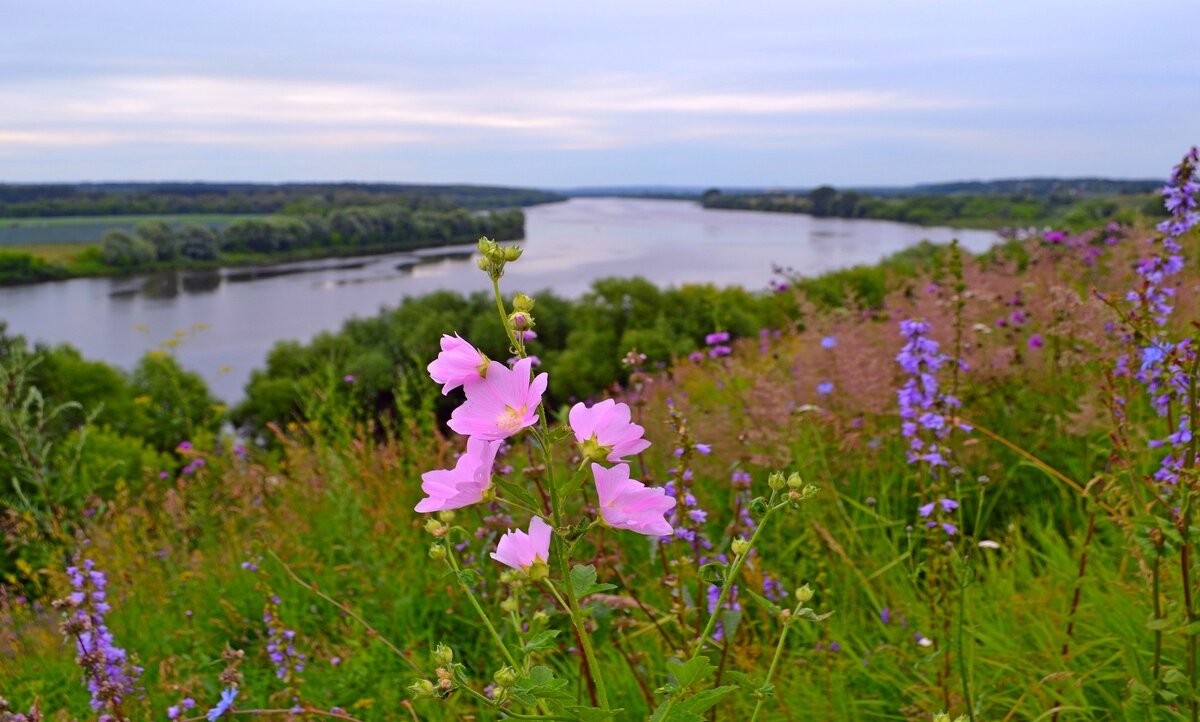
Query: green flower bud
{"points": [[505, 677], [509, 605], [795, 482], [512, 253], [483, 263], [437, 552], [776, 481], [540, 618], [941, 717], [435, 527], [804, 594], [521, 302], [740, 546], [442, 655], [446, 516], [422, 688]]}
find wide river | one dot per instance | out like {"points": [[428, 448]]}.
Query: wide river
{"points": [[232, 317]]}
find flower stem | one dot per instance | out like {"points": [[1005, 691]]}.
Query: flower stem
{"points": [[771, 671]]}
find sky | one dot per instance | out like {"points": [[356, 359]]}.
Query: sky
{"points": [[560, 93]]}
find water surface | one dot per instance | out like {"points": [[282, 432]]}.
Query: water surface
{"points": [[243, 311]]}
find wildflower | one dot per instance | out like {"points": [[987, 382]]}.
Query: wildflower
{"points": [[458, 363], [223, 705], [703, 449], [989, 544], [185, 704], [885, 615], [523, 551], [605, 431], [111, 677], [467, 483], [825, 388], [629, 504], [501, 404], [719, 351], [719, 337], [1035, 341], [828, 342], [349, 378]]}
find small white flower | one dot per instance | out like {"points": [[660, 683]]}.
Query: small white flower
{"points": [[989, 544]]}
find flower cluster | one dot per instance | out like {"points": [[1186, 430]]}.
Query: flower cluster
{"points": [[922, 406], [7, 714], [281, 644], [1155, 298], [110, 675], [946, 507], [501, 402], [718, 344]]}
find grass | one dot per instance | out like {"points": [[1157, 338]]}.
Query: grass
{"points": [[332, 499]]}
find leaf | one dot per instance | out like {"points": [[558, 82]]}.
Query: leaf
{"points": [[763, 601], [591, 714], [812, 616], [542, 640], [713, 573], [583, 581], [540, 683], [731, 619], [702, 701], [1158, 624], [696, 669]]}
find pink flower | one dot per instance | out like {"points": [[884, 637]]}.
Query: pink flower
{"points": [[463, 485], [458, 363], [520, 550], [501, 403], [629, 504], [605, 431]]}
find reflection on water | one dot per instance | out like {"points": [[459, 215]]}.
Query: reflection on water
{"points": [[568, 245]]}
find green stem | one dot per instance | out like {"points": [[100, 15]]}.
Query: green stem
{"points": [[771, 671], [585, 639], [507, 712], [962, 657], [1156, 589]]}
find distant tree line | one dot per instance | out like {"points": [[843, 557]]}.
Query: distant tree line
{"points": [[990, 210], [346, 231], [112, 199]]}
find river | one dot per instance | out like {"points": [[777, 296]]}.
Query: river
{"points": [[227, 320]]}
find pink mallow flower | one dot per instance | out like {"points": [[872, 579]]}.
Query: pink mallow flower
{"points": [[457, 364], [629, 504], [520, 550], [605, 431], [501, 403], [463, 485]]}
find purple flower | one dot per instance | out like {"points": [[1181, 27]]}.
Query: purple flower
{"points": [[349, 378], [703, 449], [111, 676], [223, 705], [1035, 341], [825, 388], [828, 342], [885, 615], [713, 339]]}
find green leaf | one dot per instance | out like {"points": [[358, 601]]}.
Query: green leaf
{"points": [[591, 714], [542, 640], [696, 669], [702, 701], [1158, 624], [713, 573], [731, 619], [812, 616], [540, 683], [583, 581], [762, 601]]}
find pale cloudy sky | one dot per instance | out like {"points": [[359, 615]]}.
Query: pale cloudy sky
{"points": [[561, 93]]}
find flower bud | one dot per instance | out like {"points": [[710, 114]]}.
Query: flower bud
{"points": [[804, 594], [422, 688], [521, 320], [540, 618], [509, 605], [795, 482], [512, 253], [435, 527], [442, 655], [776, 481], [505, 677], [740, 546], [437, 552], [941, 717], [509, 576], [521, 302], [446, 516], [483, 263]]}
